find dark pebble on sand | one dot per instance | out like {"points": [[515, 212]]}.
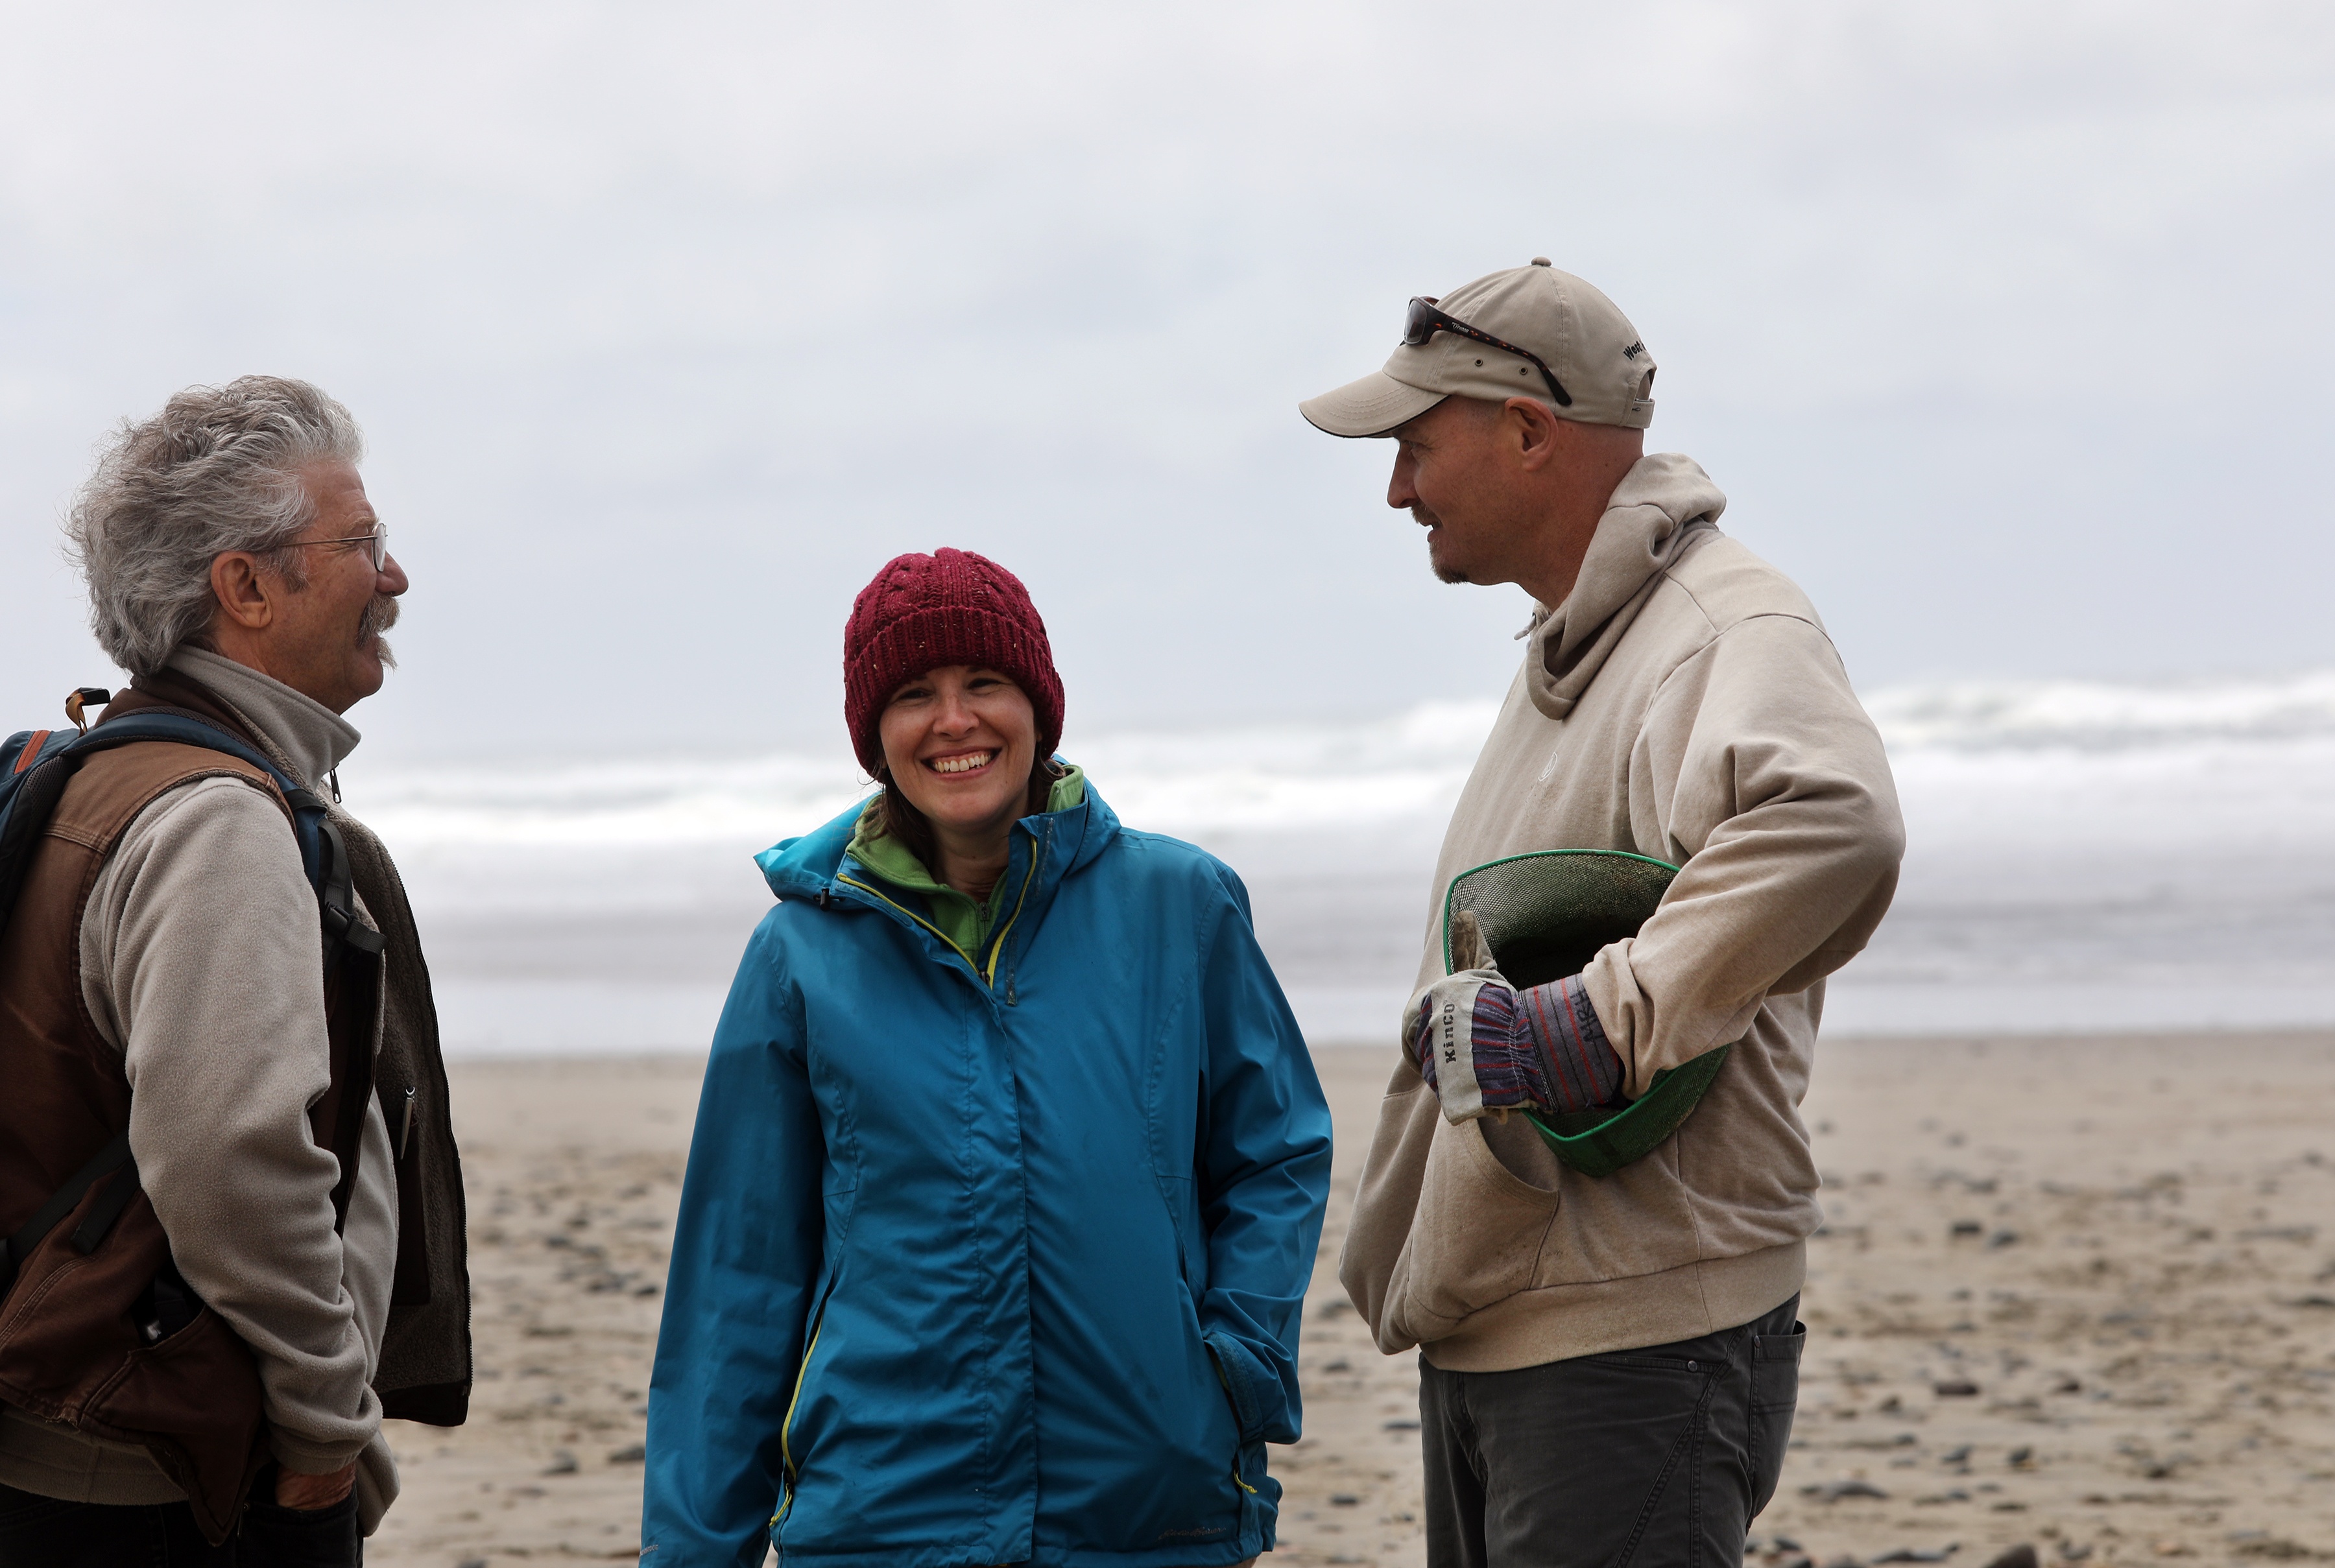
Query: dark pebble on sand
{"points": [[1834, 1491], [1955, 1389]]}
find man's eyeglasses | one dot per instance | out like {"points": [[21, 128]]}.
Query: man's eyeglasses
{"points": [[376, 545], [1424, 321]]}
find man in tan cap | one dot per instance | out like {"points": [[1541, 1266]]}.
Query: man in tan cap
{"points": [[1608, 1362]]}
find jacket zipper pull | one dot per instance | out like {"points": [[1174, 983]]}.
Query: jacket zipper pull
{"points": [[1009, 988]]}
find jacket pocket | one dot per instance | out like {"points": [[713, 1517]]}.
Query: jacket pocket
{"points": [[197, 1393], [791, 1457], [1475, 1239]]}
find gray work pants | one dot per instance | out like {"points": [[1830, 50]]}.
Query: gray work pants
{"points": [[1657, 1457]]}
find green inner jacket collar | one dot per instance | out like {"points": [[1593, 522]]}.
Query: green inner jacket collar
{"points": [[963, 921]]}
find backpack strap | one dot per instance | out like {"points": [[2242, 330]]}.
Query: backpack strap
{"points": [[28, 1235], [336, 904]]}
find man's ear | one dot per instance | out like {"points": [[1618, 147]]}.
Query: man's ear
{"points": [[1534, 429], [243, 590]]}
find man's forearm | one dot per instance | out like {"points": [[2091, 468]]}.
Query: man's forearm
{"points": [[202, 945]]}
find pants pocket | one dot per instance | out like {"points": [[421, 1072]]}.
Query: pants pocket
{"points": [[280, 1537], [1774, 1394]]}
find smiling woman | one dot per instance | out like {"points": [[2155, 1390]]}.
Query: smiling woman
{"points": [[960, 764], [962, 750], [1008, 1147]]}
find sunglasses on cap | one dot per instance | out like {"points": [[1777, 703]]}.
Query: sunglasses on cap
{"points": [[1424, 321]]}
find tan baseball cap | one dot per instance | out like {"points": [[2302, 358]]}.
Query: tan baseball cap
{"points": [[1602, 372]]}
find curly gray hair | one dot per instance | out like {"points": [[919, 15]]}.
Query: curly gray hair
{"points": [[218, 469]]}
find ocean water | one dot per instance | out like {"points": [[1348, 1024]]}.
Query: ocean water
{"points": [[2083, 855]]}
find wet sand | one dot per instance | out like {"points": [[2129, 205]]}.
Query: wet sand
{"points": [[2073, 1292]]}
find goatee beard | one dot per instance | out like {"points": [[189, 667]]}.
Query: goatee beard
{"points": [[379, 616], [1427, 519]]}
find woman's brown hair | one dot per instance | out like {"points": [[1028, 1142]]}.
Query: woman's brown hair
{"points": [[912, 827]]}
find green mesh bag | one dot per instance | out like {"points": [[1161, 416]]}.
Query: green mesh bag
{"points": [[1542, 917]]}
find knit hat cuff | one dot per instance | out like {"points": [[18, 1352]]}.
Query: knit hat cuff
{"points": [[926, 639]]}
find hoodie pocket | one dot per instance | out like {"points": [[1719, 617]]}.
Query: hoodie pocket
{"points": [[1476, 1237]]}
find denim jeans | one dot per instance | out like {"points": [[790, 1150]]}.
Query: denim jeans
{"points": [[1658, 1457], [37, 1532]]}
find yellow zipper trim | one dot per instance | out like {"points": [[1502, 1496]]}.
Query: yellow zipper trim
{"points": [[1241, 1483], [786, 1427], [970, 961], [996, 950]]}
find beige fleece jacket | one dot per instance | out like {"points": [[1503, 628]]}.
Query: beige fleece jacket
{"points": [[1684, 702], [200, 951]]}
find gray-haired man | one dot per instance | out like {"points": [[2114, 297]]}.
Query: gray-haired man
{"points": [[1608, 1349], [291, 1268]]}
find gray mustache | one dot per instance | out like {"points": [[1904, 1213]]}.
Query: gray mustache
{"points": [[379, 616]]}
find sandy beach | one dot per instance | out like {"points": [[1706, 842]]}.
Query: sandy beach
{"points": [[2078, 1292]]}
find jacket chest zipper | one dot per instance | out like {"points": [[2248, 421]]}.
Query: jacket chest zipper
{"points": [[1037, 857], [996, 949]]}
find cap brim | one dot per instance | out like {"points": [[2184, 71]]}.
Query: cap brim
{"points": [[1368, 407]]}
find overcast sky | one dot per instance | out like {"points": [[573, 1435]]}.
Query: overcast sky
{"points": [[2005, 327]]}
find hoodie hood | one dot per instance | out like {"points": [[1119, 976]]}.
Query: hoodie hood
{"points": [[1664, 507]]}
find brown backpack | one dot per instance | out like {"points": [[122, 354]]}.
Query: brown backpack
{"points": [[97, 1332]]}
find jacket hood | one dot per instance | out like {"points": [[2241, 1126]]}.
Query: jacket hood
{"points": [[1664, 507], [806, 866]]}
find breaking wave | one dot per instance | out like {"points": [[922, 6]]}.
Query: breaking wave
{"points": [[1315, 777], [2082, 856]]}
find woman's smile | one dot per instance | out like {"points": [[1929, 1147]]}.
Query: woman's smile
{"points": [[961, 762]]}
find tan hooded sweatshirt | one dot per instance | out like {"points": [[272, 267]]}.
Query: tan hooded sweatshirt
{"points": [[1684, 703]]}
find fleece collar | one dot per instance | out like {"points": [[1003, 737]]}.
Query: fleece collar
{"points": [[963, 919], [307, 739], [1664, 507], [806, 866]]}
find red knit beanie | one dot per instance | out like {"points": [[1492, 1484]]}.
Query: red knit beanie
{"points": [[950, 608]]}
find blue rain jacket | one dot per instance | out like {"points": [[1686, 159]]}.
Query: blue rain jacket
{"points": [[992, 1257]]}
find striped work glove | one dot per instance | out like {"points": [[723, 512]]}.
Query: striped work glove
{"points": [[1483, 1046]]}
